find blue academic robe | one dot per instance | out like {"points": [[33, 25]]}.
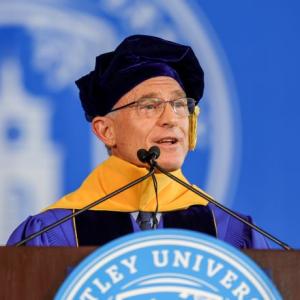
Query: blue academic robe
{"points": [[99, 227]]}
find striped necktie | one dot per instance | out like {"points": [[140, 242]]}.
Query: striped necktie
{"points": [[144, 220]]}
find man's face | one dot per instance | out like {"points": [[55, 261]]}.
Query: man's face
{"points": [[168, 131]]}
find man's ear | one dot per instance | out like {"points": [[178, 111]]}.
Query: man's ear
{"points": [[103, 128]]}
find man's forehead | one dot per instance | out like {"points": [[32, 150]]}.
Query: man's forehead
{"points": [[159, 94], [157, 87]]}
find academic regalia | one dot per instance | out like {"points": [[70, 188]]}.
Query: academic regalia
{"points": [[111, 225], [179, 208]]}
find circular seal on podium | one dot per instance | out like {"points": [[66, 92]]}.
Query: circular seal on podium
{"points": [[167, 264]]}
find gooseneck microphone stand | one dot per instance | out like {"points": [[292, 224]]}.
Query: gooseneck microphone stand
{"points": [[153, 153], [116, 192]]}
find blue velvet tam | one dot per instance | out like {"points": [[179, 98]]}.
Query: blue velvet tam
{"points": [[136, 59]]}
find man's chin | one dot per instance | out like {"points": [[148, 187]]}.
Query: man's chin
{"points": [[169, 165]]}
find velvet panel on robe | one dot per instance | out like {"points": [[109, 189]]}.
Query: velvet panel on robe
{"points": [[117, 224]]}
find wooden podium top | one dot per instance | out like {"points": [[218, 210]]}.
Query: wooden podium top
{"points": [[37, 273]]}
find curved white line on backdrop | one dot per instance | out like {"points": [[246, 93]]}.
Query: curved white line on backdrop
{"points": [[42, 16], [35, 16], [225, 137]]}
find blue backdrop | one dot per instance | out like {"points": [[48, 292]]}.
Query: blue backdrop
{"points": [[248, 132]]}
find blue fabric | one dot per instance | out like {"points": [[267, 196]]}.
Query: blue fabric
{"points": [[237, 234], [62, 235], [228, 229]]}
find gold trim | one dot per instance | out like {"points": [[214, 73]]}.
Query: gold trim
{"points": [[75, 231], [193, 122]]}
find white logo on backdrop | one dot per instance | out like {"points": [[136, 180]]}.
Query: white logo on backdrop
{"points": [[30, 163], [65, 42]]}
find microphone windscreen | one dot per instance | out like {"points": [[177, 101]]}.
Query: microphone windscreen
{"points": [[142, 155], [154, 152]]}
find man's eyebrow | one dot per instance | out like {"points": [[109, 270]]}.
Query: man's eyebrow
{"points": [[150, 95], [178, 93], [175, 93]]}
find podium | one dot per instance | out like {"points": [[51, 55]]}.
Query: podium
{"points": [[38, 272]]}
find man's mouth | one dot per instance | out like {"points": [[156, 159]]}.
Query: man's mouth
{"points": [[167, 141]]}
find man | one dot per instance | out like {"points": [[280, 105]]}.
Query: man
{"points": [[144, 93]]}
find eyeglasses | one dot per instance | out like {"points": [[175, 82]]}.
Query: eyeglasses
{"points": [[153, 107]]}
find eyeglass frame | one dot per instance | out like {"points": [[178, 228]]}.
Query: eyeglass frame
{"points": [[161, 102]]}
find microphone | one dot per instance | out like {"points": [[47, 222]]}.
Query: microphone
{"points": [[154, 152], [87, 207], [142, 155], [148, 156]]}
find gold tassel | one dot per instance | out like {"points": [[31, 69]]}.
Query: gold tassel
{"points": [[193, 122]]}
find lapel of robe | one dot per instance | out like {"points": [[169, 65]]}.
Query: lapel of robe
{"points": [[96, 228], [197, 218]]}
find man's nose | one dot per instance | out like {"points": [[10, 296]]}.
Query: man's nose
{"points": [[168, 116]]}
